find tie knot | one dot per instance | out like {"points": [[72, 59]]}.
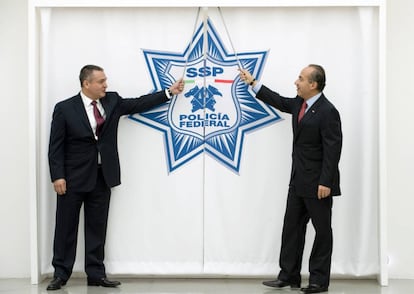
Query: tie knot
{"points": [[304, 105], [93, 102]]}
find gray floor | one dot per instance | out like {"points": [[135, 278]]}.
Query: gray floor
{"points": [[200, 286]]}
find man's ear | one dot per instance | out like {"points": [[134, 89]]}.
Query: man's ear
{"points": [[314, 85]]}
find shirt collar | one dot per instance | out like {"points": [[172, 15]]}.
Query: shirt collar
{"points": [[86, 100], [312, 100]]}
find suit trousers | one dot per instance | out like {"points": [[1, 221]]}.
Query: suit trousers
{"points": [[96, 207], [299, 210]]}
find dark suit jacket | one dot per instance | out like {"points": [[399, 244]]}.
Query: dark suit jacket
{"points": [[317, 143], [73, 150]]}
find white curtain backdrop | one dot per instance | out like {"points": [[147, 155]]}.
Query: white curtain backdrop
{"points": [[203, 219]]}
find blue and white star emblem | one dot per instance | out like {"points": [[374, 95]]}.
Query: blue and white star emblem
{"points": [[216, 108]]}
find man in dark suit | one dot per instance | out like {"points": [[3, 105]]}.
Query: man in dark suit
{"points": [[84, 166], [317, 144]]}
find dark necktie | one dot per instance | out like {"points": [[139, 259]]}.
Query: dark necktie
{"points": [[98, 117], [302, 110]]}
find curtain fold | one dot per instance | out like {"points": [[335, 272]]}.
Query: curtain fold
{"points": [[204, 219]]}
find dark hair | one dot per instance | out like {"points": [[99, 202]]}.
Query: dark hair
{"points": [[318, 76], [86, 72]]}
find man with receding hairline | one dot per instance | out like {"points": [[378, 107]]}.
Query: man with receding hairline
{"points": [[317, 144]]}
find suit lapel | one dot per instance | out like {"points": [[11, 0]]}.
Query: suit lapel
{"points": [[108, 111], [308, 115], [81, 111]]}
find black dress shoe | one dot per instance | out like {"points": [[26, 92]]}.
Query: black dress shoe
{"points": [[314, 288], [280, 284], [104, 282], [56, 284]]}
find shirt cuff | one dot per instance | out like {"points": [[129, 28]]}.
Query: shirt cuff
{"points": [[168, 93], [257, 87]]}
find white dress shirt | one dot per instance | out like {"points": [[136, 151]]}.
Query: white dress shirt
{"points": [[87, 102]]}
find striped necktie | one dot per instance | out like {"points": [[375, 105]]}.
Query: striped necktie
{"points": [[98, 117], [302, 110]]}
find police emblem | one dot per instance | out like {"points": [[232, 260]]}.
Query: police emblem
{"points": [[216, 108]]}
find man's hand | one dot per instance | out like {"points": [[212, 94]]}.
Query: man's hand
{"points": [[60, 186], [323, 192], [177, 87], [247, 77]]}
